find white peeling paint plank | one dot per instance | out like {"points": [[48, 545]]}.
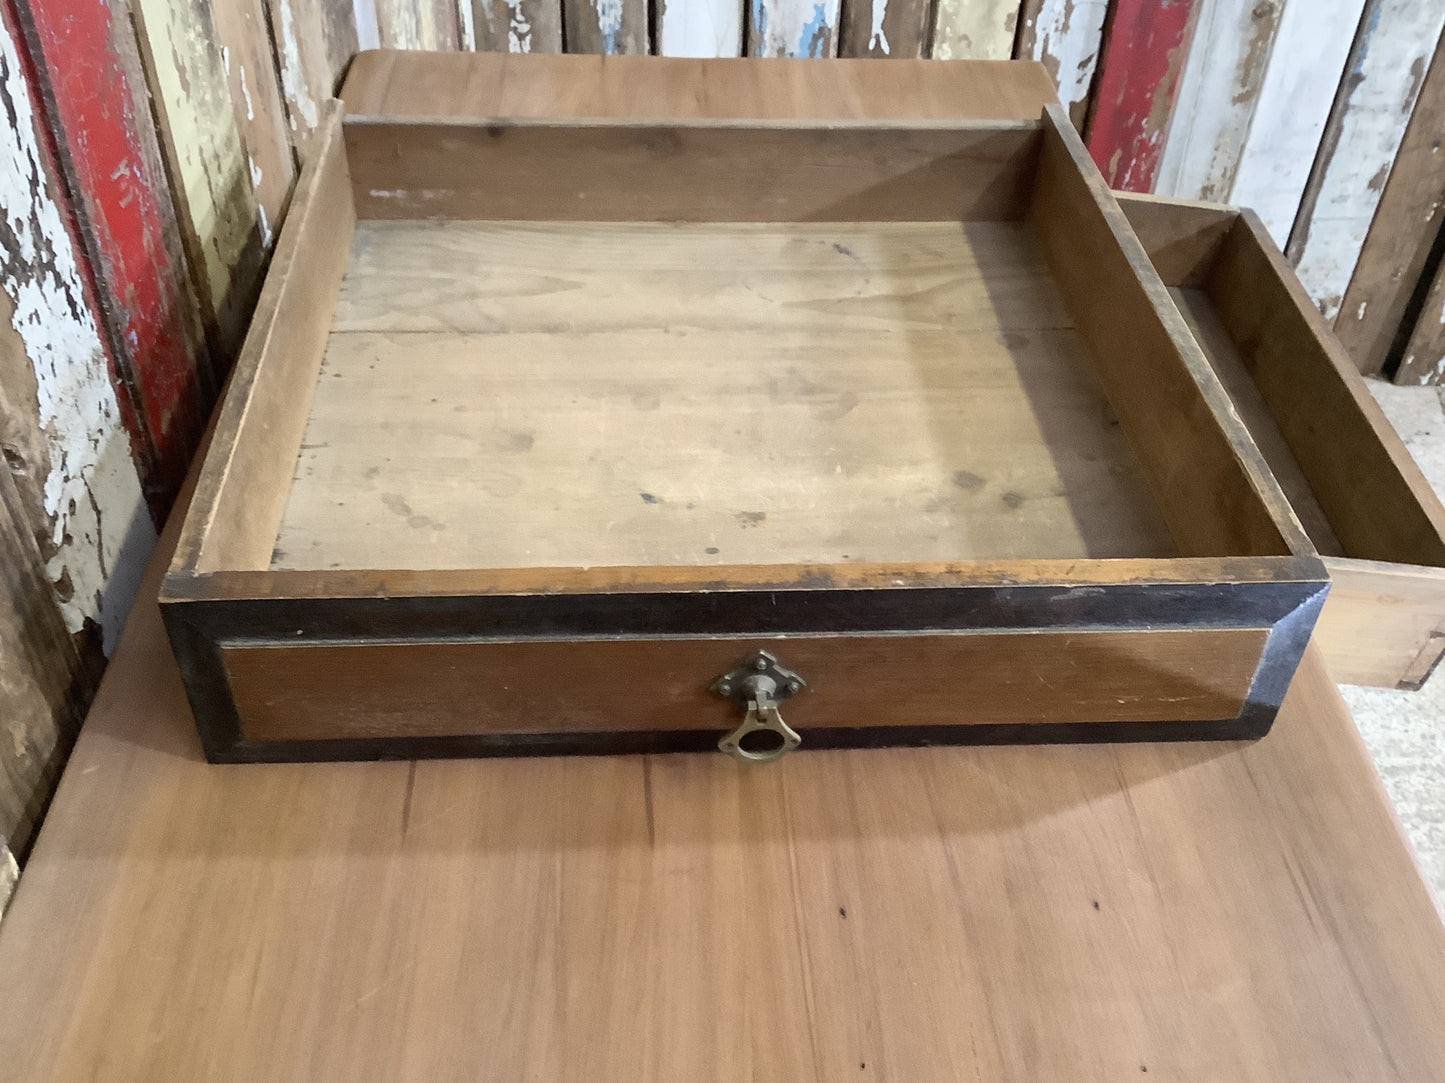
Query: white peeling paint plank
{"points": [[314, 41], [517, 26], [1402, 232], [1066, 36], [101, 534], [1218, 93], [1305, 68], [975, 29], [1383, 78], [804, 28], [700, 27]]}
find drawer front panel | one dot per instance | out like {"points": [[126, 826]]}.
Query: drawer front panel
{"points": [[323, 691]]}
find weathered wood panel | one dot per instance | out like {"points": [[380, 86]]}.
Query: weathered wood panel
{"points": [[1404, 228], [884, 28], [417, 24], [1382, 80], [245, 44], [525, 26], [1066, 36], [973, 29], [1423, 359], [74, 530], [605, 26], [699, 27], [313, 41], [44, 689], [793, 28], [1217, 96], [1137, 84], [210, 175], [1310, 49], [89, 68], [96, 529]]}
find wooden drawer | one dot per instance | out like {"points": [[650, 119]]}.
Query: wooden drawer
{"points": [[1369, 511], [542, 427]]}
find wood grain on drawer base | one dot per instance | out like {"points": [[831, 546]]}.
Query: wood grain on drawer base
{"points": [[328, 691]]}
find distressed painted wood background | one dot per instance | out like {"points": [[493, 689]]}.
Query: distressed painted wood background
{"points": [[150, 148]]}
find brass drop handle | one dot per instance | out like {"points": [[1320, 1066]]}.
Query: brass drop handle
{"points": [[758, 683]]}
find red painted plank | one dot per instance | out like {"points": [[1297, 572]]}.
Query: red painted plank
{"points": [[1144, 53], [121, 202]]}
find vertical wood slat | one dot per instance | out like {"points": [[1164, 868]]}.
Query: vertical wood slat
{"points": [[1305, 67], [974, 29], [313, 41], [886, 28], [250, 67], [211, 181], [699, 27], [1218, 93], [417, 24], [44, 688], [1404, 228], [806, 28], [1423, 359], [63, 421], [1387, 66], [88, 64], [1145, 50], [518, 26], [1066, 36], [605, 26]]}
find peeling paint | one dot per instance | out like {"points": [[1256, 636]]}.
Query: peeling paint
{"points": [[1305, 68], [1066, 39], [974, 29], [467, 25], [245, 93], [100, 533], [609, 23], [298, 94], [699, 27], [877, 39], [216, 204], [519, 32], [1218, 93], [1360, 143], [806, 28]]}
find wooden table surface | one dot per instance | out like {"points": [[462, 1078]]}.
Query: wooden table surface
{"points": [[1200, 912]]}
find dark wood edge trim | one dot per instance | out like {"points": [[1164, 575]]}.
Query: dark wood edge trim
{"points": [[208, 689], [1283, 651], [774, 612], [1250, 724], [184, 585]]}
